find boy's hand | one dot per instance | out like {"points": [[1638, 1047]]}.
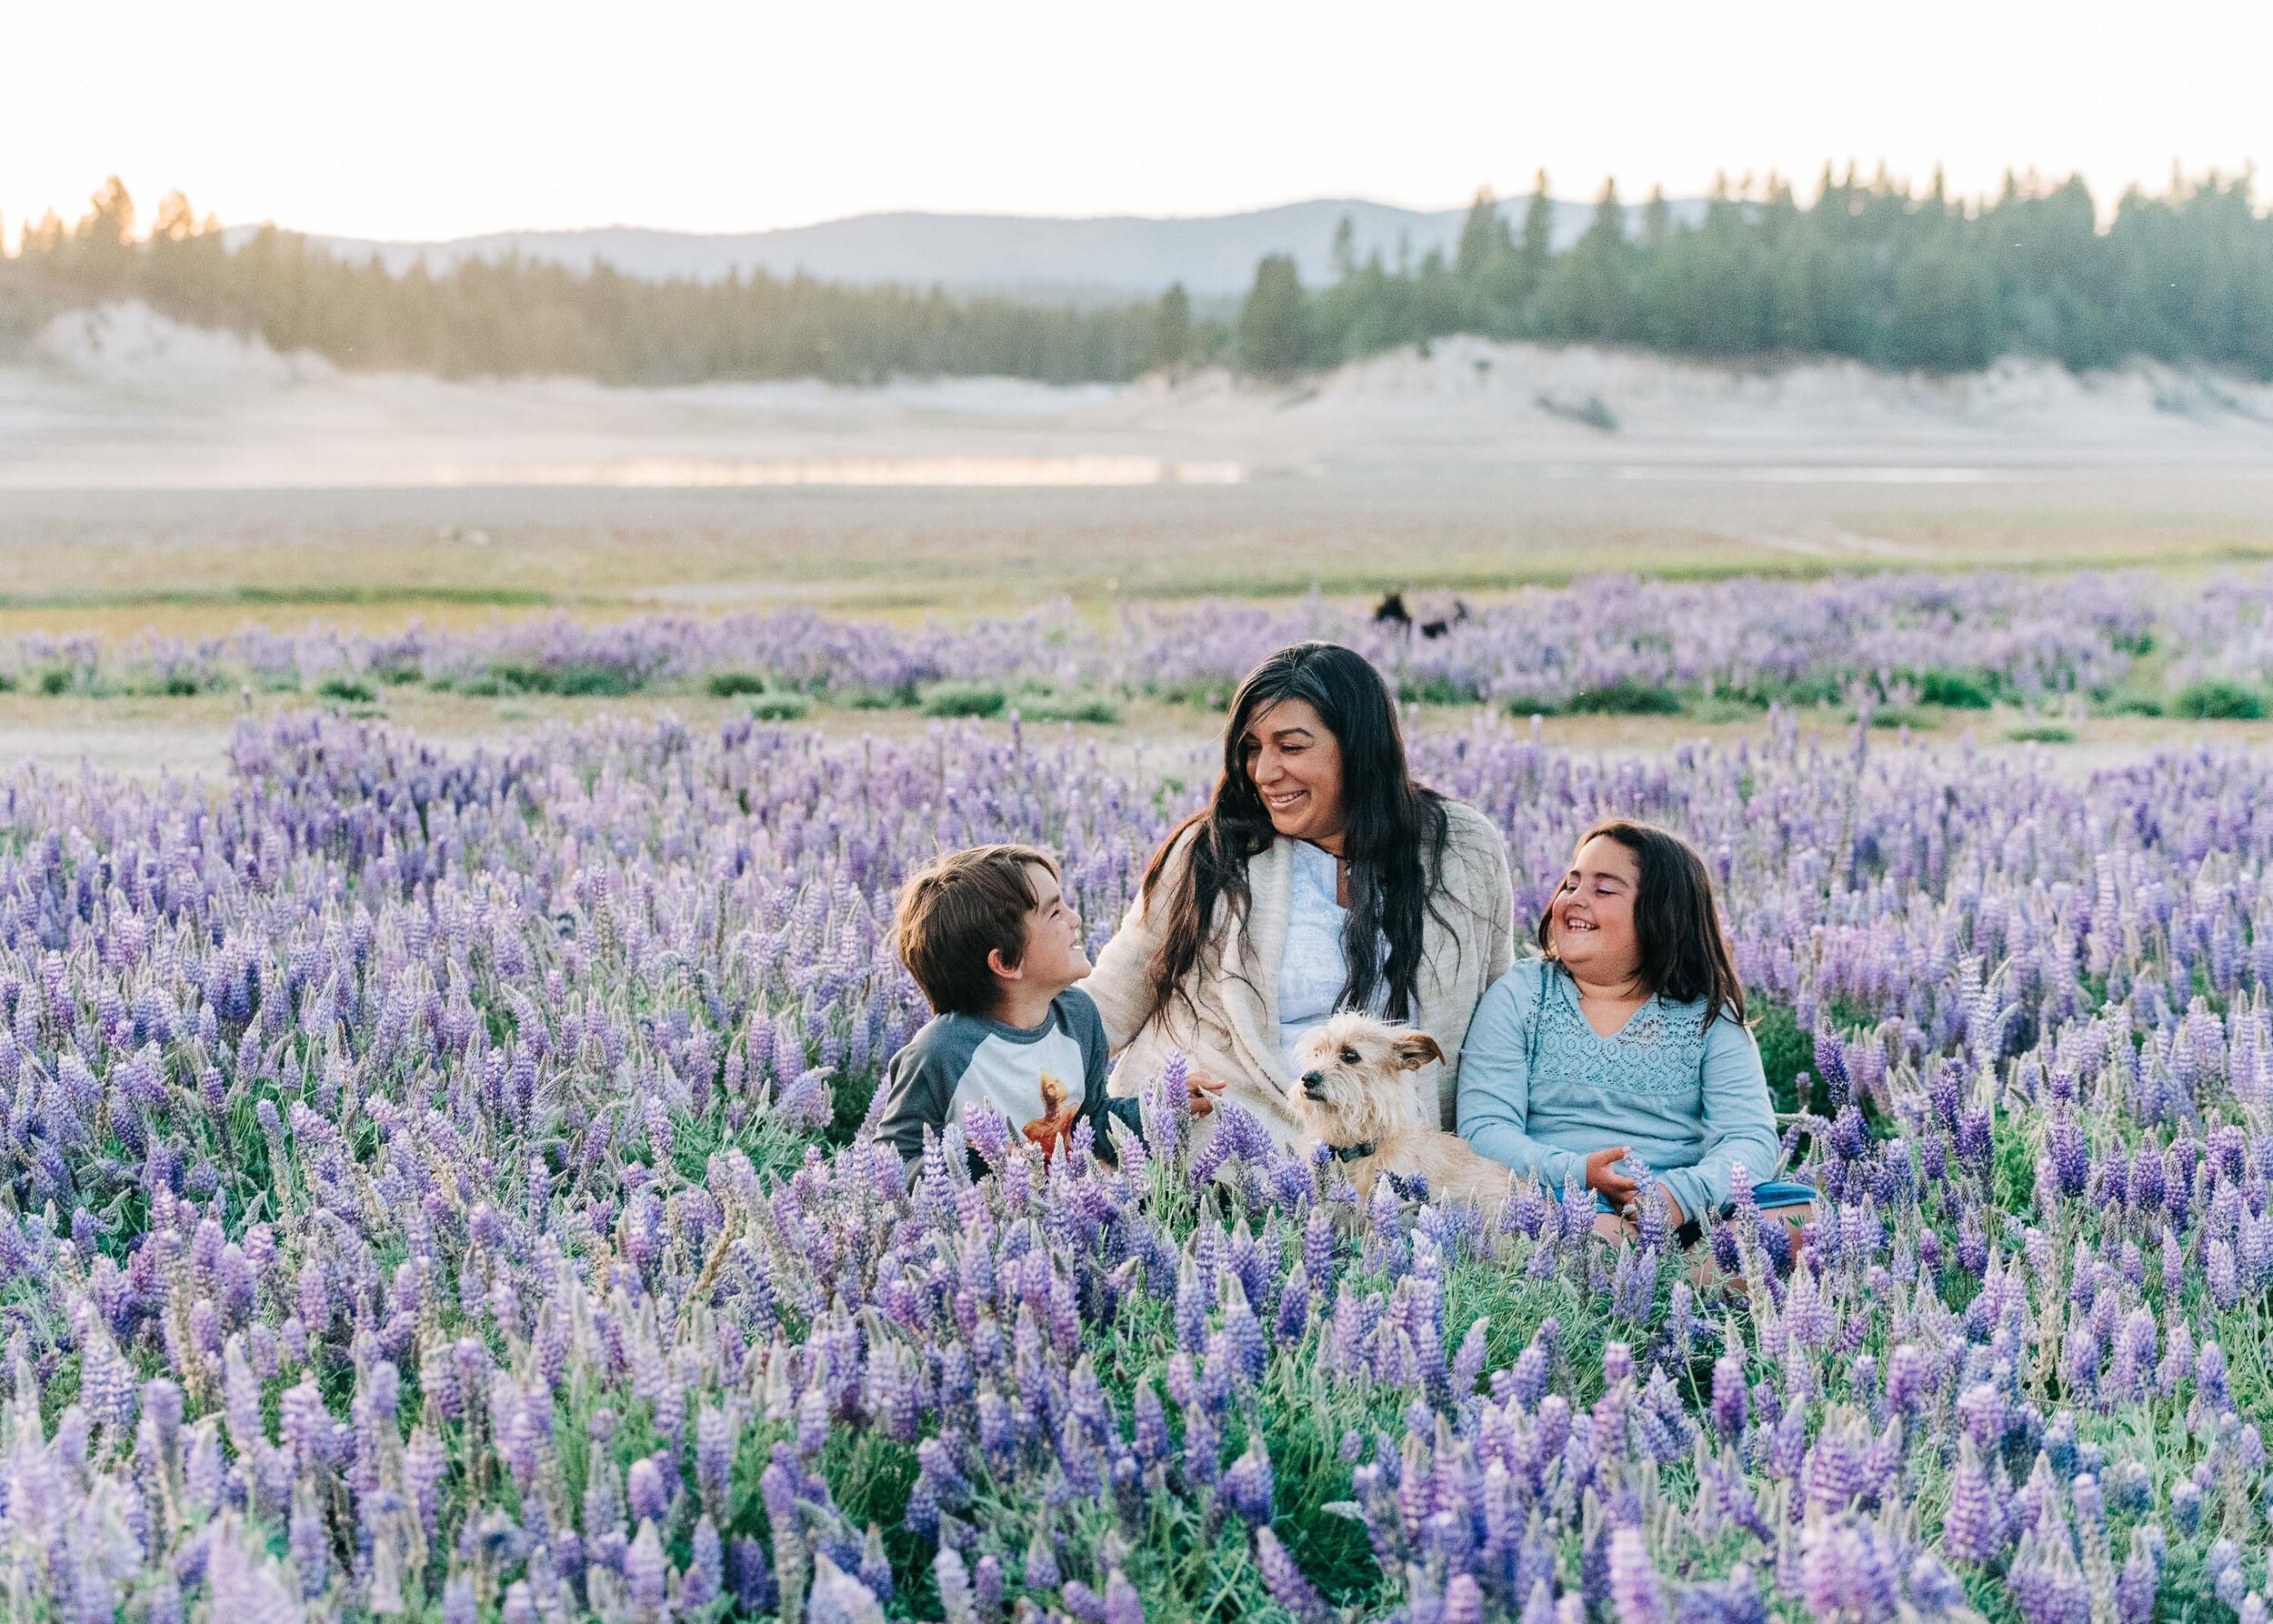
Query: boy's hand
{"points": [[1200, 1093]]}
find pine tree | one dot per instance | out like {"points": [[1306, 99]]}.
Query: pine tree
{"points": [[1539, 234], [1587, 296], [1656, 220], [1172, 329], [1273, 335], [1484, 237]]}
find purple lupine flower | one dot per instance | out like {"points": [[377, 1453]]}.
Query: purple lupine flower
{"points": [[1467, 1364], [713, 1457], [837, 1598], [1317, 1249], [1729, 1395], [1982, 1410], [1634, 1591], [751, 1576], [1250, 1350], [1248, 1484], [1464, 1601], [1039, 1574], [953, 1581], [2222, 1276], [311, 1545], [813, 1418], [1150, 1436], [1122, 1604], [2135, 1586], [648, 1497], [1294, 1307], [1974, 1528], [1286, 1582], [2210, 1378], [1846, 1571]]}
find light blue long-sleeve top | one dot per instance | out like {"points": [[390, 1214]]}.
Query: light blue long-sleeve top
{"points": [[1541, 1090]]}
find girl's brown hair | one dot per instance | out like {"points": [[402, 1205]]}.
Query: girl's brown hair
{"points": [[1684, 954]]}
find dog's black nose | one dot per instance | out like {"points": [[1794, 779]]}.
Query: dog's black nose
{"points": [[1314, 1084]]}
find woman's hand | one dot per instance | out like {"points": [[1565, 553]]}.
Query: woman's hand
{"points": [[1200, 1093], [1603, 1178]]}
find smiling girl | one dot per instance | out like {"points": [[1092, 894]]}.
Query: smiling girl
{"points": [[1623, 1047]]}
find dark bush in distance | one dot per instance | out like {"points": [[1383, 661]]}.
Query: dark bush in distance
{"points": [[1959, 691], [1625, 699], [2215, 700], [964, 699], [731, 684]]}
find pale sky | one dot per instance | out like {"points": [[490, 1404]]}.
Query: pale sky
{"points": [[418, 119]]}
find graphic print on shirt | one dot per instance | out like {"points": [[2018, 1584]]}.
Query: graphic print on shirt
{"points": [[1057, 1120], [1036, 1087]]}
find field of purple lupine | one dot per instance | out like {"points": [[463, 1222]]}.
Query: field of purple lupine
{"points": [[2067, 644], [436, 1184]]}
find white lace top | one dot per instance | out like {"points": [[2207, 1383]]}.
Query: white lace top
{"points": [[1314, 967]]}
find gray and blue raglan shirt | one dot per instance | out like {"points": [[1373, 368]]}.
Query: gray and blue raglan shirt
{"points": [[1041, 1080]]}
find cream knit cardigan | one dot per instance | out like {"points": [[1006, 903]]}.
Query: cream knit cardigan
{"points": [[1235, 1036]]}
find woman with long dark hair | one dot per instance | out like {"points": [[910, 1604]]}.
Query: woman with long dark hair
{"points": [[1318, 877], [1622, 1049]]}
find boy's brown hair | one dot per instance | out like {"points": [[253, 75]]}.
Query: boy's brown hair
{"points": [[956, 910]]}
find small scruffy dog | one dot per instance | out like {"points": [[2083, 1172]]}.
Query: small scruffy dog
{"points": [[1357, 1098]]}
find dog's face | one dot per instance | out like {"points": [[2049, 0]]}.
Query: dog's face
{"points": [[1357, 1077]]}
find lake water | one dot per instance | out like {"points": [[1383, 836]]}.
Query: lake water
{"points": [[685, 472]]}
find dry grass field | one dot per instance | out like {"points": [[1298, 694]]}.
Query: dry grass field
{"points": [[165, 485]]}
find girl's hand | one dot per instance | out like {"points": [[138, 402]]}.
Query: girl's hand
{"points": [[1200, 1093], [1604, 1179]]}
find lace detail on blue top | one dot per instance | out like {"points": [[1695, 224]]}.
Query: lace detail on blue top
{"points": [[1660, 1050]]}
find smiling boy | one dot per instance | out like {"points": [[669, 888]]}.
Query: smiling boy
{"points": [[988, 936]]}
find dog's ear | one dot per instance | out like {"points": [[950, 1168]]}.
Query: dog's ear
{"points": [[1414, 1050]]}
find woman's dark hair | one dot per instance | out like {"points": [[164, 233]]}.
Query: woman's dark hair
{"points": [[1685, 956], [1393, 836]]}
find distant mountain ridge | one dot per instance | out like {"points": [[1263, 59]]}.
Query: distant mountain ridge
{"points": [[1077, 260]]}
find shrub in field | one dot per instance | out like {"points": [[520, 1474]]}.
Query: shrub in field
{"points": [[346, 689], [963, 699], [2214, 699], [1438, 688], [1903, 716], [576, 680], [1626, 699], [437, 1187], [869, 699], [729, 685], [1959, 691], [1069, 707], [779, 707]]}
